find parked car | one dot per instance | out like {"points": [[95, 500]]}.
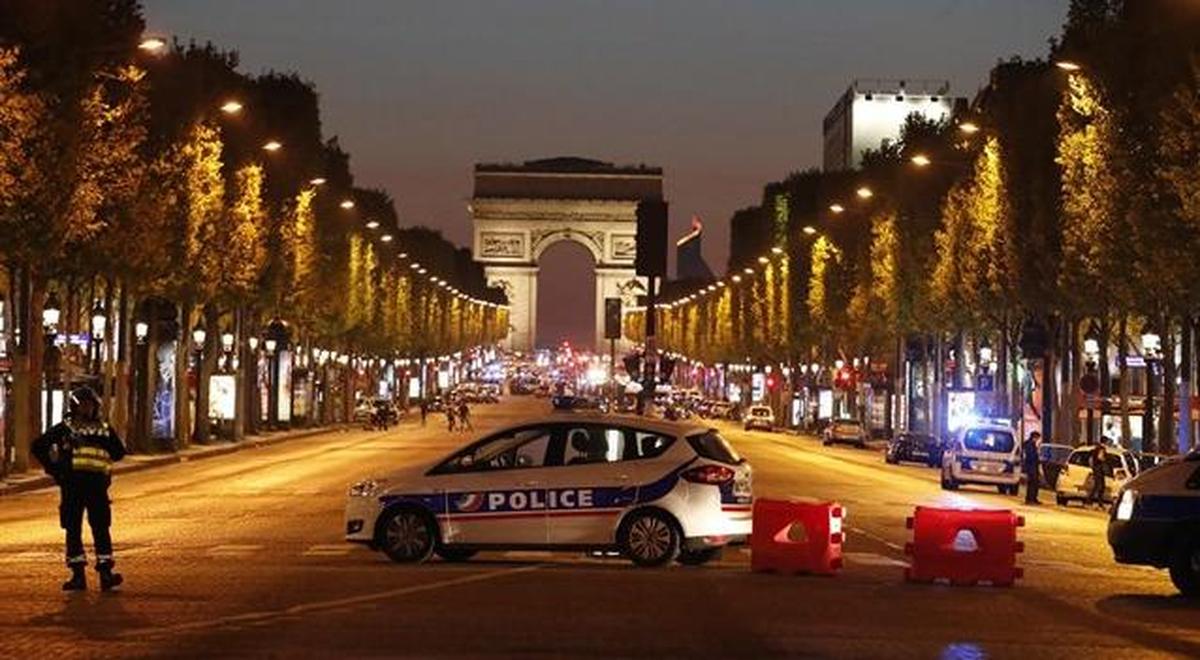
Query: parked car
{"points": [[846, 431], [1146, 461], [985, 454], [759, 417], [1075, 482], [1053, 459], [914, 447]]}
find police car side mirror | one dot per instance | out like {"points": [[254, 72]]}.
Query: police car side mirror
{"points": [[523, 460]]}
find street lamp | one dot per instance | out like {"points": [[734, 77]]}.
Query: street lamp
{"points": [[1089, 382], [99, 321], [317, 181], [373, 224], [1067, 65], [227, 341], [152, 44], [347, 204], [252, 342], [837, 208], [921, 160], [864, 193], [809, 229], [141, 331], [272, 146], [231, 107], [969, 127], [270, 344], [386, 238], [51, 312], [199, 334]]}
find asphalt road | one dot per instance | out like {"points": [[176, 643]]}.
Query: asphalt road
{"points": [[241, 555]]}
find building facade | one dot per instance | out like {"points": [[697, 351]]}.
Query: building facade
{"points": [[872, 113]]}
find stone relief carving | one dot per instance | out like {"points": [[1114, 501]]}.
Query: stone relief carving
{"points": [[543, 237], [624, 246], [506, 245]]}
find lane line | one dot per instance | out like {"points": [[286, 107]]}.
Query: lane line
{"points": [[268, 616], [874, 537]]}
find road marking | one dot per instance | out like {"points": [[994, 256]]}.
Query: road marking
{"points": [[268, 616], [327, 550], [858, 530], [528, 554], [233, 550], [872, 559]]}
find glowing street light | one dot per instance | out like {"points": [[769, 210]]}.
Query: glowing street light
{"points": [[347, 204], [921, 160], [152, 45], [317, 181], [373, 224], [864, 193], [386, 238], [968, 127], [231, 107], [272, 146], [809, 229], [1067, 65], [837, 208], [776, 250]]}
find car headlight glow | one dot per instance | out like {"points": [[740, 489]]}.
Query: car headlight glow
{"points": [[1125, 505], [366, 487]]}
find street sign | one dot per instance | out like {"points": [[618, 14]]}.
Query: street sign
{"points": [[612, 318]]}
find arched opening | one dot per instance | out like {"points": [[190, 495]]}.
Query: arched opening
{"points": [[566, 296]]}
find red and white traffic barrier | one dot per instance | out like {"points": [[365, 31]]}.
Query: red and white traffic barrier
{"points": [[797, 536], [964, 546]]}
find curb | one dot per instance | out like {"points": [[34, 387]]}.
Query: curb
{"points": [[159, 460]]}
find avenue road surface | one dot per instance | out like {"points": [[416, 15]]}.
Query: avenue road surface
{"points": [[241, 555]]}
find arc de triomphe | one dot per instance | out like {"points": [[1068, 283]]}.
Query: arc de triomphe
{"points": [[519, 211]]}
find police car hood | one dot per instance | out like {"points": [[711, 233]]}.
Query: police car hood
{"points": [[405, 479]]}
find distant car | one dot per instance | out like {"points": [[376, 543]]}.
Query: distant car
{"points": [[1075, 483], [845, 431], [1053, 460], [985, 454], [759, 417], [914, 447], [1147, 461], [655, 491]]}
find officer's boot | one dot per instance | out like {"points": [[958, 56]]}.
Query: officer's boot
{"points": [[108, 579], [78, 581]]}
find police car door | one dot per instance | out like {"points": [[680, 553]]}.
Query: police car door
{"points": [[502, 501], [597, 480]]}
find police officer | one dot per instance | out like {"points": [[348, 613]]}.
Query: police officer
{"points": [[78, 453], [1031, 462]]}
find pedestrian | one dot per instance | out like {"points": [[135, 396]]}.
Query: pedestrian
{"points": [[78, 453], [1099, 467], [449, 415], [1031, 461], [424, 411], [464, 416]]}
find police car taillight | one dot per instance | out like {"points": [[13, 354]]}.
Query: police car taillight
{"points": [[708, 474]]}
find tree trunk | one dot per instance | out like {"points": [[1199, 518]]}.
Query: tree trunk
{"points": [[206, 361], [1186, 376], [183, 412], [27, 372], [1123, 380], [1166, 417]]}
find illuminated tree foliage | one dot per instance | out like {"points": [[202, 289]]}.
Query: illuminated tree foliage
{"points": [[240, 245]]}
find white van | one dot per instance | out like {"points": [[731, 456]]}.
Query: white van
{"points": [[1156, 521], [987, 454]]}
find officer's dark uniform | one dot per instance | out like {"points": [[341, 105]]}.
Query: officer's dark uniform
{"points": [[1031, 463], [78, 454]]}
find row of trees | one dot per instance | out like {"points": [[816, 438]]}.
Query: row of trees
{"points": [[133, 170], [1064, 204]]}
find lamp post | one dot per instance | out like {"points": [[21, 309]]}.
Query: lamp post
{"points": [[1090, 382], [1151, 352], [51, 313], [99, 323]]}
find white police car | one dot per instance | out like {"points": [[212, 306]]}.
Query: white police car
{"points": [[1156, 521], [656, 491]]}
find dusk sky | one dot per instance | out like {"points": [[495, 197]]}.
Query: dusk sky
{"points": [[725, 96]]}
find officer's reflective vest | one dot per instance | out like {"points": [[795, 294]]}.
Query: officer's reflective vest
{"points": [[86, 456]]}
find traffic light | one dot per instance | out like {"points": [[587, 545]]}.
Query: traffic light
{"points": [[612, 318], [666, 367], [771, 383], [844, 379], [651, 258]]}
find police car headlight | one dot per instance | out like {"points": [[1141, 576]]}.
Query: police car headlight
{"points": [[366, 487], [1125, 505]]}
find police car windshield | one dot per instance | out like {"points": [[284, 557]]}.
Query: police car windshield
{"points": [[712, 446], [989, 440]]}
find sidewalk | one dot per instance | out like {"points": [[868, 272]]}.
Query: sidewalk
{"points": [[35, 478]]}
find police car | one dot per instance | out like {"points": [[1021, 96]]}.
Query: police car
{"points": [[655, 491], [1156, 521]]}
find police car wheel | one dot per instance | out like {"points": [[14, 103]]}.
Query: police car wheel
{"points": [[949, 483], [698, 557], [649, 538], [1185, 568], [454, 554], [407, 536]]}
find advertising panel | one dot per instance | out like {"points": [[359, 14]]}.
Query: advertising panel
{"points": [[222, 397], [284, 392], [825, 404]]}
